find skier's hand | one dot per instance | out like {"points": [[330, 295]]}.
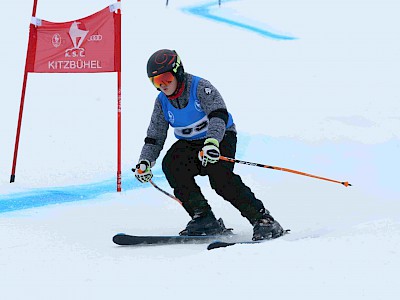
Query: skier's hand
{"points": [[143, 171], [210, 152]]}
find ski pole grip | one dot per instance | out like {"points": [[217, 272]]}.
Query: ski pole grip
{"points": [[139, 171]]}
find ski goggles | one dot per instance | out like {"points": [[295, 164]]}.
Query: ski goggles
{"points": [[162, 79]]}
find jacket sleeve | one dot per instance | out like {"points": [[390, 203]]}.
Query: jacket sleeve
{"points": [[214, 106], [156, 134]]}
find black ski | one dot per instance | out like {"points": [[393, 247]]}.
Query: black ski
{"points": [[223, 244], [130, 240]]}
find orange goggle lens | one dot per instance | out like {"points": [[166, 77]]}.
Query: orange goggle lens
{"points": [[162, 79]]}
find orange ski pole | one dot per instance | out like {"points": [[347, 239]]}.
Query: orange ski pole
{"points": [[232, 160]]}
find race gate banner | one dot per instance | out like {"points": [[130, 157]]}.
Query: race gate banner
{"points": [[88, 45]]}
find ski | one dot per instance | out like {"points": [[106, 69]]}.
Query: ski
{"points": [[223, 244], [131, 240]]}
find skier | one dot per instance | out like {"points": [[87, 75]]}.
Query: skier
{"points": [[205, 130]]}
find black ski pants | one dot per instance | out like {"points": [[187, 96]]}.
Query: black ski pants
{"points": [[181, 165]]}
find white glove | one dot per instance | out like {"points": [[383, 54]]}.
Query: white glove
{"points": [[210, 152], [143, 171]]}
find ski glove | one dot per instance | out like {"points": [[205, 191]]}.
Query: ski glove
{"points": [[143, 171], [210, 152]]}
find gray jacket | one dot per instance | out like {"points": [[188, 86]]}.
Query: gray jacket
{"points": [[212, 104]]}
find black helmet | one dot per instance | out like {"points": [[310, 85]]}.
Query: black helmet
{"points": [[163, 61]]}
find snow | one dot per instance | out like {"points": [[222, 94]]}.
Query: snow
{"points": [[324, 102]]}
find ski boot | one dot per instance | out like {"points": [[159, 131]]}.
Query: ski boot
{"points": [[205, 224], [267, 228]]}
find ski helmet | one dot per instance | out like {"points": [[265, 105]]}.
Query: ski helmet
{"points": [[163, 61]]}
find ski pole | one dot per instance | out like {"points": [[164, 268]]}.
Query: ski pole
{"points": [[164, 192], [232, 160], [161, 190]]}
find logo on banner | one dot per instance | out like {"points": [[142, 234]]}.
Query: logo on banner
{"points": [[56, 40], [77, 36], [95, 38]]}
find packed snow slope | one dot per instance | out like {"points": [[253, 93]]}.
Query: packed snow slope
{"points": [[312, 86]]}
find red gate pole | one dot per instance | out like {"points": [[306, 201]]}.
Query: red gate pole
{"points": [[21, 107], [119, 109], [119, 176]]}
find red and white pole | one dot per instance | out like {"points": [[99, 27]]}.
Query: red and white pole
{"points": [[119, 109]]}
